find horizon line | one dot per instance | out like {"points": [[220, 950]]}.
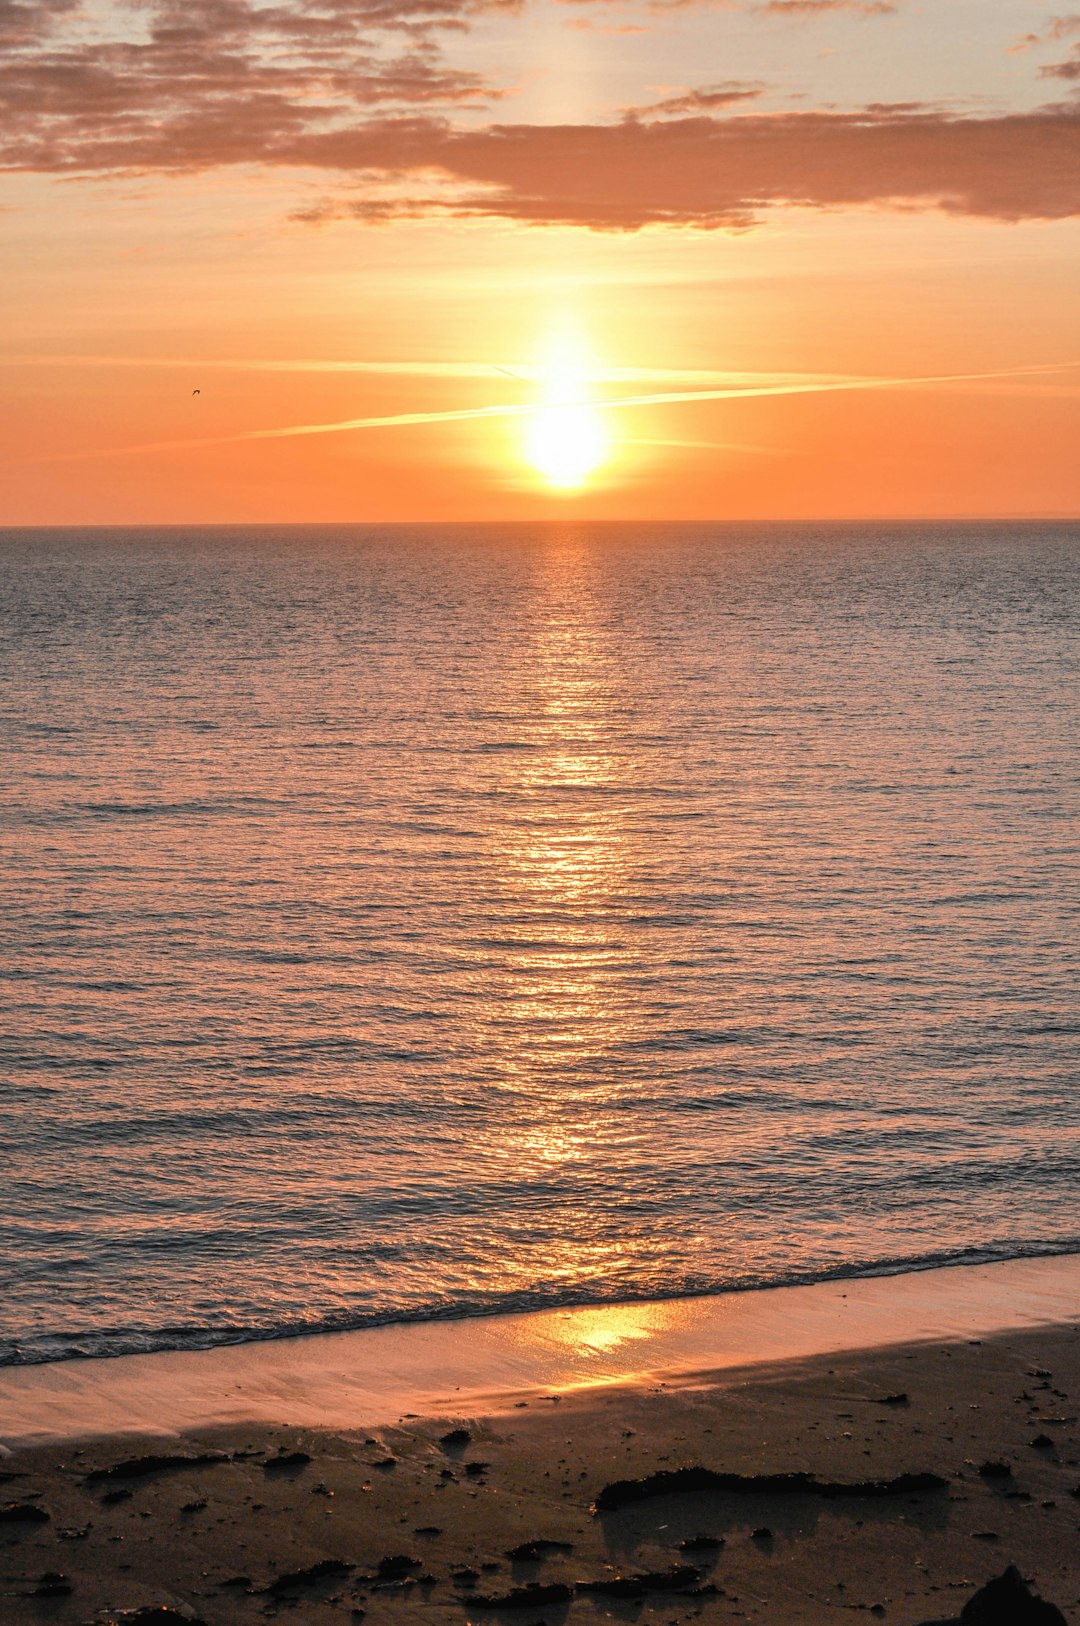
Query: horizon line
{"points": [[1048, 518]]}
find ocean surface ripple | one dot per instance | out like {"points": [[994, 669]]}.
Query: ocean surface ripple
{"points": [[410, 922]]}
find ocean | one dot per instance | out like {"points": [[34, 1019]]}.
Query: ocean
{"points": [[407, 922]]}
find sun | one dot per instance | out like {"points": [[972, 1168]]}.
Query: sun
{"points": [[565, 444], [565, 439]]}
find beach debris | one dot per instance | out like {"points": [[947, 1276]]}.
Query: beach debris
{"points": [[325, 1570], [527, 1552], [678, 1481], [677, 1579], [195, 1506], [1005, 1601], [994, 1470], [154, 1614], [900, 1399], [141, 1467], [53, 1584], [521, 1597], [455, 1437], [23, 1513]]}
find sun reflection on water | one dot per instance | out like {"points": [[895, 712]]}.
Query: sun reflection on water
{"points": [[561, 998]]}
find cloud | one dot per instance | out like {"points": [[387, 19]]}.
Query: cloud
{"points": [[707, 100], [221, 79], [1058, 29], [820, 8], [331, 86], [1069, 69], [712, 172], [25, 20]]}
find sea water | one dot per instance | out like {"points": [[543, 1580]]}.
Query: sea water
{"points": [[412, 921]]}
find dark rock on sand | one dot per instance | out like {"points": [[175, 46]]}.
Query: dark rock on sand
{"points": [[994, 1470], [141, 1467], [456, 1436], [475, 1469], [1009, 1601], [155, 1614], [678, 1481], [762, 1533], [285, 1460], [325, 1570], [522, 1597], [528, 1551], [23, 1513], [1005, 1601], [1042, 1442], [700, 1544], [639, 1586], [901, 1399], [396, 1567]]}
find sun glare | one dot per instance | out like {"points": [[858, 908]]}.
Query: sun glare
{"points": [[565, 439]]}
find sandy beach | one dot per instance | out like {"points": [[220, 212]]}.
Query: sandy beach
{"points": [[891, 1481]]}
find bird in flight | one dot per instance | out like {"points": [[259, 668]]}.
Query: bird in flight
{"points": [[196, 392]]}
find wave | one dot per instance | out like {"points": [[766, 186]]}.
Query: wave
{"points": [[69, 1345]]}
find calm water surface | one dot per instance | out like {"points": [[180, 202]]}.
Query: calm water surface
{"points": [[418, 921]]}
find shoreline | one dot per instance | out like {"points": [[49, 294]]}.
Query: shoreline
{"points": [[894, 1482], [485, 1365]]}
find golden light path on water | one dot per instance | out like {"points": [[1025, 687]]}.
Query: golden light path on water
{"points": [[562, 998]]}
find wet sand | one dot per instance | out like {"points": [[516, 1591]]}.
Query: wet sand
{"points": [[350, 1379], [565, 1492]]}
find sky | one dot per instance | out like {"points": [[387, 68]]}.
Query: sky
{"points": [[377, 260]]}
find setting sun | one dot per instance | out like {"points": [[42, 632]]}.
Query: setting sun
{"points": [[565, 440]]}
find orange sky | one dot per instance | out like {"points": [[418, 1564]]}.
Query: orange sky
{"points": [[339, 210]]}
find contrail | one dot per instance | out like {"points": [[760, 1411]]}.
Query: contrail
{"points": [[402, 420], [416, 368]]}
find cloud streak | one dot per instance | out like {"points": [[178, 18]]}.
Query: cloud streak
{"points": [[655, 398], [809, 9]]}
